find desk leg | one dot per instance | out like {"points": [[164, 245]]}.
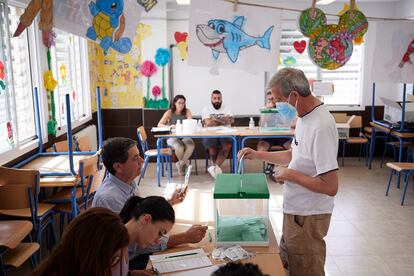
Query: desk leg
{"points": [[234, 154], [2, 269], [372, 148], [400, 157], [73, 202], [159, 143]]}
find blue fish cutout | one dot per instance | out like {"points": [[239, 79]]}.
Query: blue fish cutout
{"points": [[223, 36]]}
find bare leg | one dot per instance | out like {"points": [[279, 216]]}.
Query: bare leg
{"points": [[212, 151], [263, 146], [224, 153]]}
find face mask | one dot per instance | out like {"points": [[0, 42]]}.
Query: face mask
{"points": [[216, 105], [287, 110], [123, 267]]}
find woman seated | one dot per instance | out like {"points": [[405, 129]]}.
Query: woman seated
{"points": [[94, 243], [183, 147]]}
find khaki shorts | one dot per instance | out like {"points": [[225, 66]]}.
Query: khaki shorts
{"points": [[302, 247]]}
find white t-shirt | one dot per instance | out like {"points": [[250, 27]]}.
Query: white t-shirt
{"points": [[210, 112], [314, 152]]}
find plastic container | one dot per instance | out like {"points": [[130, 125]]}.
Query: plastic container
{"points": [[178, 127], [241, 209], [189, 126], [251, 123], [272, 120]]}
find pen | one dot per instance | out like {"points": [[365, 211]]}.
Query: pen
{"points": [[182, 255]]}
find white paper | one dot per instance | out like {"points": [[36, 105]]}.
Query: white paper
{"points": [[160, 129], [248, 40], [393, 41], [165, 263], [323, 88]]}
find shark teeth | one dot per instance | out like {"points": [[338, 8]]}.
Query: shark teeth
{"points": [[212, 45]]}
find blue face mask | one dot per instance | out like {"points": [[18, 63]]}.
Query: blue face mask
{"points": [[286, 109]]}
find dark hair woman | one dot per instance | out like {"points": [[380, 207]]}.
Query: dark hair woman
{"points": [[94, 244], [183, 147]]}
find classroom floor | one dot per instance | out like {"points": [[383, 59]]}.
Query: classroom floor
{"points": [[370, 234]]}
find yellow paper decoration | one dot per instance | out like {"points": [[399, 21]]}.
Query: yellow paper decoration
{"points": [[49, 82], [62, 70], [144, 30]]}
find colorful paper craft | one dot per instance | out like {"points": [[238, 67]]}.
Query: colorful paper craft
{"points": [[330, 46]]}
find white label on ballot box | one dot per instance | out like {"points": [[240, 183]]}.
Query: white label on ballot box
{"points": [[183, 260]]}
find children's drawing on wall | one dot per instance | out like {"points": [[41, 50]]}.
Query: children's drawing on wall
{"points": [[147, 4], [110, 23], [227, 37], [2, 75], [181, 38], [289, 61], [393, 60], [331, 45], [246, 39], [162, 58], [299, 46], [144, 31], [359, 39], [148, 68]]}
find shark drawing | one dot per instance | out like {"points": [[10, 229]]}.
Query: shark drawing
{"points": [[223, 36]]}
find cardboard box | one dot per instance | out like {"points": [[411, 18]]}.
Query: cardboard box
{"points": [[393, 111]]}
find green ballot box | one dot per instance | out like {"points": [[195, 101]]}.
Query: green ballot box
{"points": [[241, 209]]}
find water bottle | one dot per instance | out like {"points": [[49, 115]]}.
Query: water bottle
{"points": [[251, 123], [199, 126], [178, 127]]}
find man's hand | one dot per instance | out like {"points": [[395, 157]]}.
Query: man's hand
{"points": [[196, 233], [178, 196], [248, 153], [281, 174]]}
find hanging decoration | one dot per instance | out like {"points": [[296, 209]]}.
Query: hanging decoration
{"points": [[358, 40], [2, 75], [299, 46], [182, 44], [147, 4], [162, 57], [49, 82], [406, 57], [45, 7], [289, 61], [330, 45], [10, 139], [148, 68]]}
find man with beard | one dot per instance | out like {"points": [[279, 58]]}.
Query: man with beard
{"points": [[217, 114]]}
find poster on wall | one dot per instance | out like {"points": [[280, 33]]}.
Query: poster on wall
{"points": [[111, 24], [394, 52], [220, 37]]}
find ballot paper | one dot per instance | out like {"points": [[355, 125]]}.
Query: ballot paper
{"points": [[178, 261]]}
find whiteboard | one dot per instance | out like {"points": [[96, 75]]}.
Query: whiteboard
{"points": [[243, 92]]}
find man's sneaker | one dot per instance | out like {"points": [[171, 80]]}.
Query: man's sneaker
{"points": [[211, 170], [180, 168], [269, 170]]}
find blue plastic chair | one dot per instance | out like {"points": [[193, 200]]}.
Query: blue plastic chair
{"points": [[165, 155]]}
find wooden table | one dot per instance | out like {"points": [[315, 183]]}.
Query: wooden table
{"points": [[267, 257], [53, 164]]}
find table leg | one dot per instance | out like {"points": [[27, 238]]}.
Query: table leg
{"points": [[372, 148], [400, 156], [234, 154], [159, 143]]}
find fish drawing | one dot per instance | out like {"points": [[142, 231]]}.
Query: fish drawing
{"points": [[223, 36]]}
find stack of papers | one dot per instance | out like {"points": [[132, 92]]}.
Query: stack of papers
{"points": [[178, 261], [161, 129]]}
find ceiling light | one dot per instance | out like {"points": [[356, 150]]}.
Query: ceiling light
{"points": [[320, 2], [183, 2]]}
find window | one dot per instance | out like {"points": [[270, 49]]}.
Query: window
{"points": [[346, 80], [69, 67], [17, 120]]}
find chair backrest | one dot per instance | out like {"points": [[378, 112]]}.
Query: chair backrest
{"points": [[83, 143], [88, 172], [21, 186], [340, 117], [142, 138], [61, 146], [356, 122]]}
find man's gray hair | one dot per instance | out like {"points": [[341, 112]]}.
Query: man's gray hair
{"points": [[288, 80]]}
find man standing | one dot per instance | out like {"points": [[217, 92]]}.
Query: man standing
{"points": [[217, 114], [310, 180], [123, 162]]}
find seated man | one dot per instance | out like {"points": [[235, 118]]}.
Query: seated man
{"points": [[217, 114], [123, 162]]}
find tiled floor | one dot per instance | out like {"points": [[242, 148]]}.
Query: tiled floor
{"points": [[370, 234]]}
